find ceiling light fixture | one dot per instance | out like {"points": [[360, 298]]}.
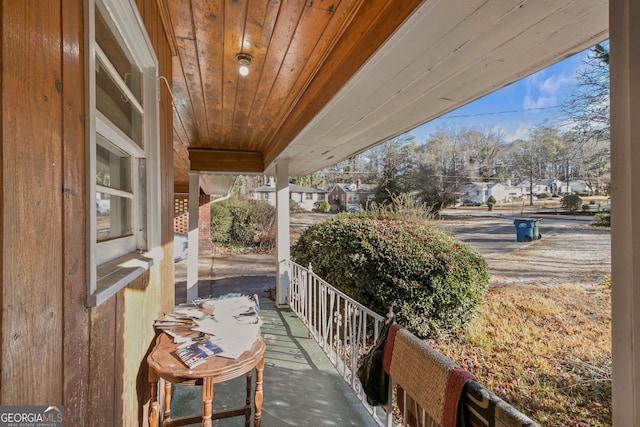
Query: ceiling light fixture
{"points": [[244, 60]]}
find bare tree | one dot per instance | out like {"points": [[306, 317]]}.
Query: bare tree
{"points": [[398, 166], [444, 168], [586, 109]]}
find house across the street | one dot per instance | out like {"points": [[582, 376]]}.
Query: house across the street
{"points": [[304, 196], [478, 193], [352, 196], [553, 186]]}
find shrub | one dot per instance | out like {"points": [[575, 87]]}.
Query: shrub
{"points": [[571, 202], [490, 202], [242, 226], [544, 195], [321, 206], [603, 219], [264, 221], [434, 282], [221, 220], [242, 223], [294, 207]]}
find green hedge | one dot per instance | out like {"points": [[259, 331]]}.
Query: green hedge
{"points": [[239, 223], [572, 203], [321, 206], [434, 282], [603, 219], [220, 223]]}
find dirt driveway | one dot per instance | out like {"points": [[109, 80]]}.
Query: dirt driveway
{"points": [[572, 254], [575, 254]]}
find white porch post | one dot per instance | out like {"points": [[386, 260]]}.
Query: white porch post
{"points": [[192, 248], [282, 235], [624, 36]]}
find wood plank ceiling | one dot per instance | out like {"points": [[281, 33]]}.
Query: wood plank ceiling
{"points": [[303, 52], [330, 78]]}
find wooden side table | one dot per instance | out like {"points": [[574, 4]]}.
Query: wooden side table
{"points": [[163, 364]]}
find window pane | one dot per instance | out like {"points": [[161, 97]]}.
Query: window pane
{"points": [[112, 102], [113, 216], [113, 166], [113, 46]]}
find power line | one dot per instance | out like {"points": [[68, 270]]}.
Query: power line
{"points": [[495, 113]]}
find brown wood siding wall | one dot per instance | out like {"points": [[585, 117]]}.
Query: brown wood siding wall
{"points": [[2, 104], [74, 193], [55, 350], [32, 303]]}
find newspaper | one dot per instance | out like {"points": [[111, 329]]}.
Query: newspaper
{"points": [[226, 327]]}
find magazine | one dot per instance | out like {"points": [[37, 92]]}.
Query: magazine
{"points": [[197, 352]]}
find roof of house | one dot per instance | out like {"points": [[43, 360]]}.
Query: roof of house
{"points": [[293, 188], [548, 181], [486, 184], [352, 188]]}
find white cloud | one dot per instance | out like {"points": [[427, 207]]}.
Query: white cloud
{"points": [[522, 131], [553, 84], [530, 102], [543, 89]]}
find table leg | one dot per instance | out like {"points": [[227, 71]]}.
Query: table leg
{"points": [[153, 400], [258, 397], [247, 405], [207, 401], [167, 402]]}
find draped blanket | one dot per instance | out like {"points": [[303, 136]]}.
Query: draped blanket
{"points": [[432, 382], [432, 390]]}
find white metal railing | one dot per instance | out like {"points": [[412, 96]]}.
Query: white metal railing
{"points": [[342, 327]]}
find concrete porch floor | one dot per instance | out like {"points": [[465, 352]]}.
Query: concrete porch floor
{"points": [[301, 386]]}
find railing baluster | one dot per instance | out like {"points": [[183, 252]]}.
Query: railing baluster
{"points": [[339, 325]]}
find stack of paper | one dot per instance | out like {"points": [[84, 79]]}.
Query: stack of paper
{"points": [[225, 327]]}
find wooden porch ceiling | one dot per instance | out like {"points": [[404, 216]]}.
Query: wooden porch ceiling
{"points": [[330, 78]]}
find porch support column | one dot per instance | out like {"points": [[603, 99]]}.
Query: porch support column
{"points": [[192, 245], [624, 36], [282, 235]]}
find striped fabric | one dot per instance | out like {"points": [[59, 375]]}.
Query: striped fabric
{"points": [[430, 384], [433, 391]]}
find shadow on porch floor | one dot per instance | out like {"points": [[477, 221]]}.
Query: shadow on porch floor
{"points": [[301, 387]]}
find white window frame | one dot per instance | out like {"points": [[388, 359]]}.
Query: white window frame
{"points": [[113, 264]]}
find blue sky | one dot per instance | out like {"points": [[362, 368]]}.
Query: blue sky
{"points": [[516, 108]]}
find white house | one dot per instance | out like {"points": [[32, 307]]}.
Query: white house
{"points": [[580, 186], [553, 186], [304, 196], [479, 192]]}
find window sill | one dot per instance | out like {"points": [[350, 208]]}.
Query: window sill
{"points": [[116, 274]]}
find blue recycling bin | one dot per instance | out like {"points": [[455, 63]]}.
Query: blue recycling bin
{"points": [[524, 229]]}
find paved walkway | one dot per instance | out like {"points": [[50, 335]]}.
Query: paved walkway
{"points": [[221, 274]]}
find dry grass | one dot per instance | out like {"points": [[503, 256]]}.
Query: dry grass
{"points": [[545, 345], [542, 340]]}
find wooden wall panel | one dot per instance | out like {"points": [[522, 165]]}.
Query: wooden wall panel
{"points": [[32, 303], [166, 154], [2, 190], [103, 355], [76, 317], [162, 46], [55, 350]]}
